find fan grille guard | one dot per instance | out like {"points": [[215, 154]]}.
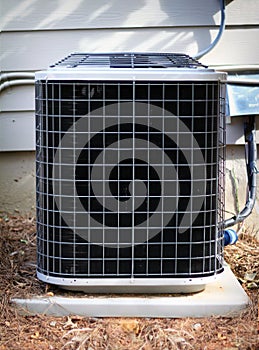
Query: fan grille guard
{"points": [[128, 60], [130, 178]]}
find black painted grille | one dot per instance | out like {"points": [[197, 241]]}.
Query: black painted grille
{"points": [[130, 178]]}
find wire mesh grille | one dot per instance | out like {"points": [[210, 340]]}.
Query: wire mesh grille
{"points": [[129, 60], [130, 178]]}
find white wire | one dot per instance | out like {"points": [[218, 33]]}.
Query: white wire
{"points": [[16, 75], [220, 32], [11, 83], [237, 68]]}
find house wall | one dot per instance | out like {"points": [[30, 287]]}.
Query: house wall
{"points": [[17, 182], [36, 33]]}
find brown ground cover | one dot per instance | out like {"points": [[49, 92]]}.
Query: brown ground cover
{"points": [[18, 279]]}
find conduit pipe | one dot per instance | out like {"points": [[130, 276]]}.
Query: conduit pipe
{"points": [[11, 83], [237, 68], [220, 32], [250, 138], [16, 75]]}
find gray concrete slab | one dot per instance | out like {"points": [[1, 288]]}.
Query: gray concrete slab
{"points": [[225, 297]]}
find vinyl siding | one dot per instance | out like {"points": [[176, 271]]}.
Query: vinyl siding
{"points": [[36, 33], [100, 14]]}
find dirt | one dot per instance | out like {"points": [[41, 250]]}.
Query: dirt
{"points": [[18, 279]]}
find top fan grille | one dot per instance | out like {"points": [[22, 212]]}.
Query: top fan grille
{"points": [[129, 60]]}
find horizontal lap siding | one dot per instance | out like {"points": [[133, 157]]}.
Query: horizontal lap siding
{"points": [[86, 14], [38, 49], [103, 14], [17, 131], [36, 33]]}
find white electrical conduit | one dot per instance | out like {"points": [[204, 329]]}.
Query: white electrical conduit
{"points": [[11, 83], [25, 78], [237, 68], [16, 75], [219, 35], [249, 82], [18, 82]]}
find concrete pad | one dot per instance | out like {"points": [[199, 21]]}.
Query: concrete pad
{"points": [[225, 297]]}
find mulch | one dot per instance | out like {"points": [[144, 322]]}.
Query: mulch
{"points": [[18, 279]]}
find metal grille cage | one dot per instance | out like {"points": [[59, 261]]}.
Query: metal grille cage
{"points": [[130, 170], [128, 60]]}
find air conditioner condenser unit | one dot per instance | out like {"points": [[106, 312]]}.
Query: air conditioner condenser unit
{"points": [[130, 173]]}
